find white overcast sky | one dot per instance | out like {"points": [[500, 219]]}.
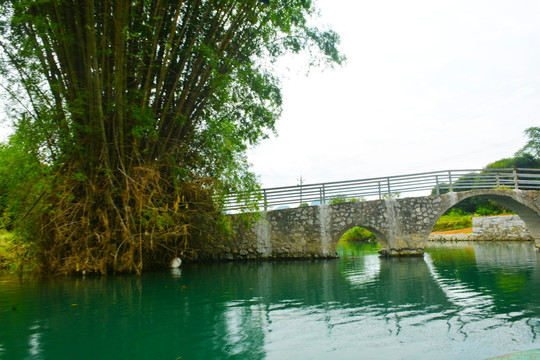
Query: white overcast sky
{"points": [[428, 85]]}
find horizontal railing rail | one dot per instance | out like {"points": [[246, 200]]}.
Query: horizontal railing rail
{"points": [[436, 182]]}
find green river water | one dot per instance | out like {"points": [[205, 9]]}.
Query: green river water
{"points": [[460, 301]]}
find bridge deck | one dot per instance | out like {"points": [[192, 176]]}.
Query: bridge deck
{"points": [[418, 184]]}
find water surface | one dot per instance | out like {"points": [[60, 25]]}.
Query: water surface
{"points": [[461, 301]]}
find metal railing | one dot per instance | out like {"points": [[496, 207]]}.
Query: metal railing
{"points": [[436, 182]]}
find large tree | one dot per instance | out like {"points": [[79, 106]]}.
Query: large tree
{"points": [[142, 110]]}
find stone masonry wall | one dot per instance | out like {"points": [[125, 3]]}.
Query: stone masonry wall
{"points": [[402, 226], [288, 233], [508, 227], [491, 228]]}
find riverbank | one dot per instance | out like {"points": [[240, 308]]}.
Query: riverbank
{"points": [[14, 255], [450, 235]]}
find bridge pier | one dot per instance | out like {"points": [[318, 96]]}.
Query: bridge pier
{"points": [[401, 228]]}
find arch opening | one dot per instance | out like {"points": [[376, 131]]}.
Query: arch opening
{"points": [[530, 217], [456, 218], [360, 240]]}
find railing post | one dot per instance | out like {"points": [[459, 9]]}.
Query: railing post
{"points": [[265, 200], [498, 177], [323, 195], [437, 183], [388, 183], [380, 195], [450, 185], [516, 185]]}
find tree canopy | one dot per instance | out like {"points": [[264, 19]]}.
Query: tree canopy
{"points": [[527, 157], [142, 111]]}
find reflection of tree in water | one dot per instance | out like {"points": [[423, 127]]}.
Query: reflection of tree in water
{"points": [[264, 309], [497, 281]]}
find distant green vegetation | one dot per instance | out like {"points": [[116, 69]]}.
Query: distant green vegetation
{"points": [[358, 234], [454, 220], [526, 157], [339, 199]]}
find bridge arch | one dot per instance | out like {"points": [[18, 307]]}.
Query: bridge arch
{"points": [[402, 225], [525, 205], [379, 234], [366, 214]]}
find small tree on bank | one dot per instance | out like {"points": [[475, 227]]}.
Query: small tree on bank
{"points": [[143, 111]]}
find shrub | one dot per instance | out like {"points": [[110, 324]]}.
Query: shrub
{"points": [[453, 221], [358, 234], [395, 195], [338, 199], [15, 254], [491, 209]]}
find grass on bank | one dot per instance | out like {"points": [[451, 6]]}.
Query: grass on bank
{"points": [[456, 220], [453, 221]]}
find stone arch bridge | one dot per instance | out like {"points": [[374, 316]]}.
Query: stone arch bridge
{"points": [[401, 225]]}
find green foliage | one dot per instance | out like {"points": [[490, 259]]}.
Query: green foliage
{"points": [[520, 160], [395, 195], [526, 157], [475, 204], [22, 179], [506, 163], [134, 118], [303, 205], [455, 211], [14, 253], [472, 204], [533, 145], [491, 208], [338, 199], [454, 220], [358, 234], [459, 218]]}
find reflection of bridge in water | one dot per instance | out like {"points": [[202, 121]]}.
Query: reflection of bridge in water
{"points": [[442, 303], [401, 224], [374, 300]]}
